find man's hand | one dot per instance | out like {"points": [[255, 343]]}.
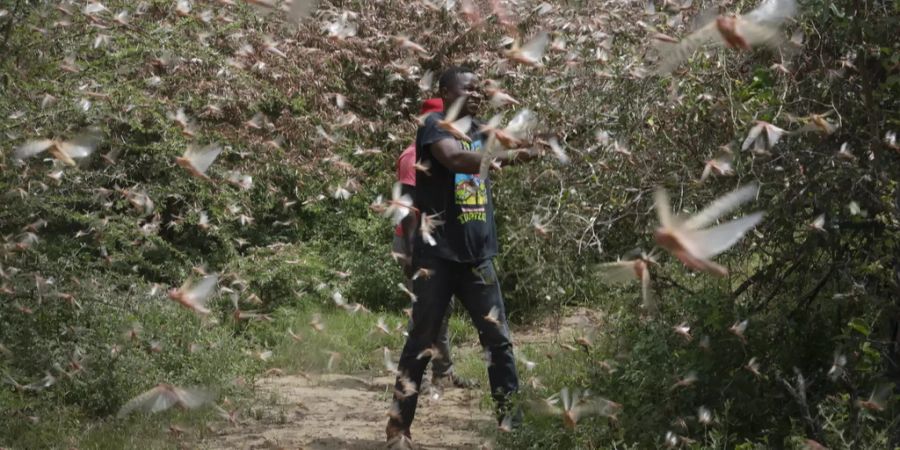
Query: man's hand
{"points": [[518, 156]]}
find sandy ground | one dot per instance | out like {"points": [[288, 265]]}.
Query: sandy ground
{"points": [[334, 411]]}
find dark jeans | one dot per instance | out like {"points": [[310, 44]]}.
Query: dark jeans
{"points": [[477, 288], [444, 365], [439, 366]]}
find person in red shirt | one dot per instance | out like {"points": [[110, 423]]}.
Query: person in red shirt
{"points": [[441, 368]]}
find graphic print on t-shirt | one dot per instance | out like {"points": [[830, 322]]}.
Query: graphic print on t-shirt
{"points": [[471, 192]]}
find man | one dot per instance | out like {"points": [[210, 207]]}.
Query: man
{"points": [[460, 261], [441, 368]]}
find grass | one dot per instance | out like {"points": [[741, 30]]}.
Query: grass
{"points": [[151, 433], [356, 337], [138, 431]]}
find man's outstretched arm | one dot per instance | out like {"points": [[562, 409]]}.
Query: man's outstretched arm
{"points": [[451, 155]]}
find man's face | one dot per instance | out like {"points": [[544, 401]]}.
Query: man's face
{"points": [[467, 84]]}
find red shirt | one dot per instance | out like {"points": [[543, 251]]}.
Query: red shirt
{"points": [[406, 166], [406, 173], [406, 163]]}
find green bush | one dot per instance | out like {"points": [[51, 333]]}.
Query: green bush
{"points": [[96, 366]]}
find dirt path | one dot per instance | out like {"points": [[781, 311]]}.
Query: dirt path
{"points": [[333, 411]]}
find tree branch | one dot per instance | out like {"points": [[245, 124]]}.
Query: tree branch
{"points": [[799, 395]]}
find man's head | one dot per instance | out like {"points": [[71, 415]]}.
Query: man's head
{"points": [[461, 81]]}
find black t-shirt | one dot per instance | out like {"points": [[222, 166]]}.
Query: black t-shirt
{"points": [[463, 201]]}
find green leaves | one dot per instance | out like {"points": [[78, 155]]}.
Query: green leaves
{"points": [[836, 10], [859, 326]]}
